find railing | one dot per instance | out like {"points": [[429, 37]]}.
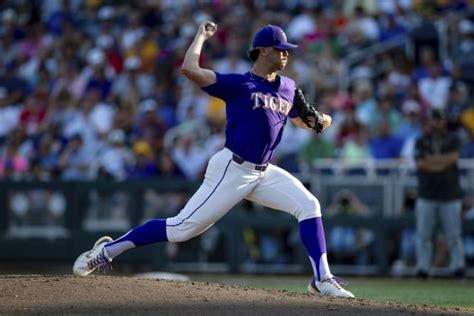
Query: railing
{"points": [[359, 55], [55, 221]]}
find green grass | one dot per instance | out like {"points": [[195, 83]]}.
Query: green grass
{"points": [[439, 292], [448, 293]]}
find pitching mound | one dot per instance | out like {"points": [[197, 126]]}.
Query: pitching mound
{"points": [[103, 294]]}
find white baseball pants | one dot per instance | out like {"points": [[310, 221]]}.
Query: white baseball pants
{"points": [[226, 183]]}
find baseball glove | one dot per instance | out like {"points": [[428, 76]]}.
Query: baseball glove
{"points": [[306, 110]]}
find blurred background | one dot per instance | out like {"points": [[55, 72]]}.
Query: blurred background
{"points": [[99, 132]]}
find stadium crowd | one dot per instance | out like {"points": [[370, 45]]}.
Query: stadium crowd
{"points": [[92, 89]]}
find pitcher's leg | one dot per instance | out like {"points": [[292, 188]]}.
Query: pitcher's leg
{"points": [[150, 232], [208, 205], [425, 219], [451, 216], [282, 191], [312, 236], [223, 186]]}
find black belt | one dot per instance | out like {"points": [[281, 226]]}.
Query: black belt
{"points": [[240, 161]]}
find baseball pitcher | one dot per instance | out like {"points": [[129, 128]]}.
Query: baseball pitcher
{"points": [[258, 105]]}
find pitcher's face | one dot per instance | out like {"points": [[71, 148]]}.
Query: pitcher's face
{"points": [[275, 58], [281, 57]]}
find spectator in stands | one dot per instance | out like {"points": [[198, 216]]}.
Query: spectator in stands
{"points": [[125, 115], [165, 95], [410, 125], [439, 191], [47, 157], [100, 114], [356, 150], [349, 126], [386, 112], [149, 125], [20, 140], [316, 148], [233, 61], [33, 42], [112, 56], [100, 80], [16, 87], [303, 23], [410, 129], [68, 80], [326, 70], [459, 101], [115, 157], [145, 165], [435, 87], [363, 70], [168, 168], [194, 104], [467, 118], [384, 145], [398, 77], [148, 51], [391, 28], [13, 165], [33, 115], [362, 29], [9, 115], [132, 33], [467, 150], [96, 74], [9, 47], [463, 54], [427, 60], [189, 156], [413, 94], [74, 161], [366, 104], [60, 17], [133, 83]]}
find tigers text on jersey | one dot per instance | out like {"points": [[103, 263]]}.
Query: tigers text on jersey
{"points": [[256, 112]]}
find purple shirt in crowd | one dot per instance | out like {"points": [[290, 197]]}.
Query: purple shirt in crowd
{"points": [[256, 112]]}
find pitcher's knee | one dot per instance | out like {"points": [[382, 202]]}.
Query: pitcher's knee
{"points": [[183, 232], [308, 208], [179, 236]]}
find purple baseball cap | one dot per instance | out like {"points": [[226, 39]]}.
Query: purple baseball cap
{"points": [[272, 36]]}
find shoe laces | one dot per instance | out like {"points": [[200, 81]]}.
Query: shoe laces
{"points": [[99, 262], [336, 281], [333, 282], [340, 281]]}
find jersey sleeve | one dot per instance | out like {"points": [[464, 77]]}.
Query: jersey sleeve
{"points": [[225, 87]]}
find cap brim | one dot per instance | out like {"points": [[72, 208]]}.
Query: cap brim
{"points": [[287, 46]]}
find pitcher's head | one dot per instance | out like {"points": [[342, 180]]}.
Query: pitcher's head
{"points": [[270, 42]]}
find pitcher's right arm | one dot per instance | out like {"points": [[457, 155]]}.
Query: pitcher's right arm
{"points": [[190, 68]]}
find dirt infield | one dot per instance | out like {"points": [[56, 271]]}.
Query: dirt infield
{"points": [[124, 295]]}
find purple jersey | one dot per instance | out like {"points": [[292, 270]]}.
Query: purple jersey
{"points": [[256, 112]]}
